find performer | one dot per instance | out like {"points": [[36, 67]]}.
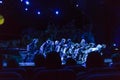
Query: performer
{"points": [[62, 42], [33, 45], [83, 43], [46, 47], [32, 49], [76, 50], [57, 46], [69, 42]]}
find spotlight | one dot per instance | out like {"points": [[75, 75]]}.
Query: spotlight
{"points": [[77, 5], [1, 2], [56, 12], [21, 0], [27, 2], [26, 9], [38, 12], [114, 45]]}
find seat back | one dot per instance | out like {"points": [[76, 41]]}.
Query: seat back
{"points": [[76, 68], [10, 76], [20, 71], [107, 76], [59, 74]]}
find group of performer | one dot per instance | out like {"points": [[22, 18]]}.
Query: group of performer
{"points": [[66, 47]]}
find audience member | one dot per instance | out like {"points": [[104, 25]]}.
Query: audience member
{"points": [[70, 62], [39, 60], [94, 60], [115, 60], [53, 60]]}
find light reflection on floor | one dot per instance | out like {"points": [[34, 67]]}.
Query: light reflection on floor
{"points": [[22, 64]]}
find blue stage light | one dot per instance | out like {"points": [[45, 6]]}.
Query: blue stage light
{"points": [[21, 0], [1, 1], [27, 2], [38, 13], [56, 12], [77, 5], [26, 9]]}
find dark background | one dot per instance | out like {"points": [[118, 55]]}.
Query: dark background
{"points": [[104, 15]]}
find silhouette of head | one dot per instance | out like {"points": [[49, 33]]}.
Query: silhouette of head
{"points": [[70, 62], [39, 60], [94, 60], [53, 60], [116, 58]]}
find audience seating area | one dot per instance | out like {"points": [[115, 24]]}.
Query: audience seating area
{"points": [[65, 73], [52, 69]]}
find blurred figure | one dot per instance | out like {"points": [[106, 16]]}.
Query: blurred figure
{"points": [[94, 60], [62, 42], [32, 49], [63, 47], [69, 42], [53, 60], [83, 43], [57, 46], [47, 47], [39, 60], [33, 45]]}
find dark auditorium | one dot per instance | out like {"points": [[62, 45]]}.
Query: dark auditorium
{"points": [[59, 40]]}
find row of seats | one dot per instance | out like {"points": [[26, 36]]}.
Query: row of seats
{"points": [[21, 74], [59, 74], [53, 70]]}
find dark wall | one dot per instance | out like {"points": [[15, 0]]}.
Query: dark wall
{"points": [[105, 16]]}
